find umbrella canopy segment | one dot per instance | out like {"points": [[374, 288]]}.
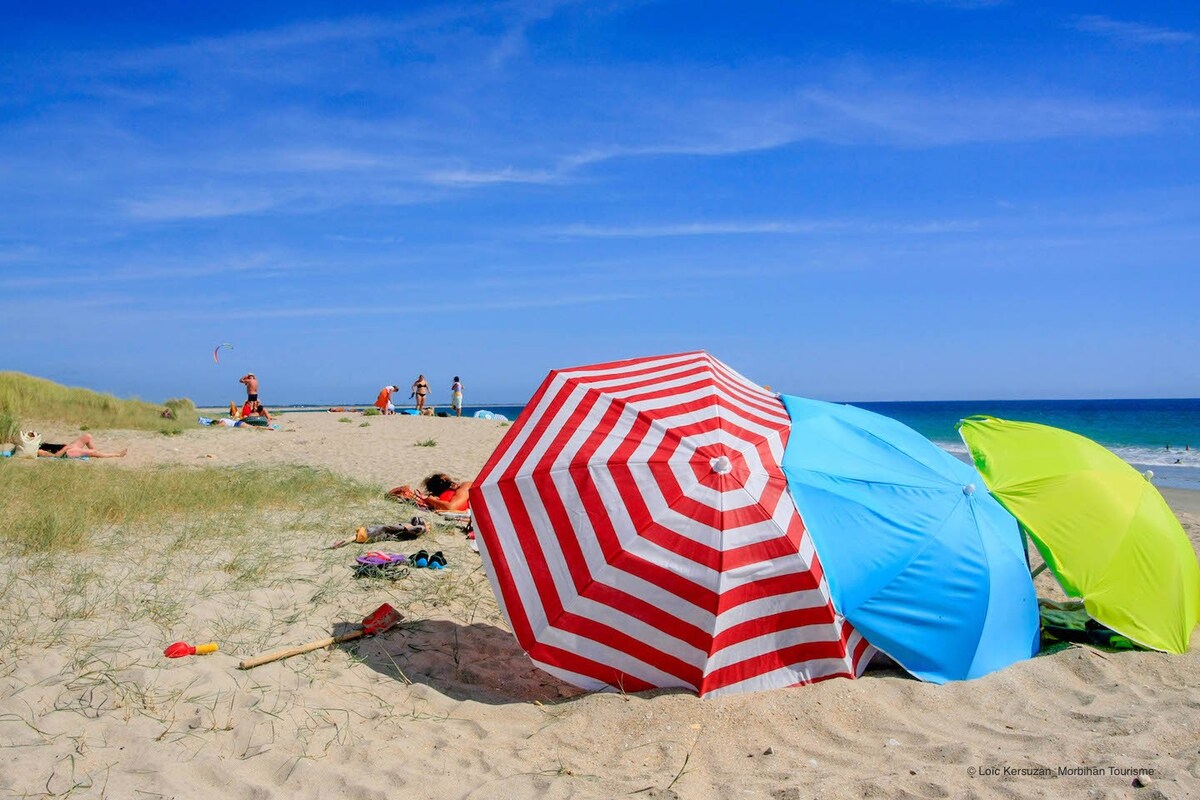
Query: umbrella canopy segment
{"points": [[919, 558], [638, 532], [1106, 533]]}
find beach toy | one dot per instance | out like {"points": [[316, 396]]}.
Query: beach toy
{"points": [[378, 621], [181, 649]]}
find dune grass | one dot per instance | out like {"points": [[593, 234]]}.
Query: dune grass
{"points": [[10, 428], [24, 397], [53, 506]]}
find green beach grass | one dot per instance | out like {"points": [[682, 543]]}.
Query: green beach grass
{"points": [[52, 506], [24, 398]]}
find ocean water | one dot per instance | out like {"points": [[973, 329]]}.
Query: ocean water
{"points": [[508, 410], [1162, 435]]}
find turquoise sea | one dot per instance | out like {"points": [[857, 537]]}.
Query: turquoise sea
{"points": [[1162, 435]]}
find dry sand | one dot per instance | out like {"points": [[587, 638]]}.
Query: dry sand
{"points": [[448, 706]]}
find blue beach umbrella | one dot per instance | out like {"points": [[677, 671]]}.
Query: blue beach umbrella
{"points": [[919, 557]]}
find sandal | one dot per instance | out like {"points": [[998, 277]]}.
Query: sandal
{"points": [[378, 559], [419, 558], [393, 571], [437, 561]]}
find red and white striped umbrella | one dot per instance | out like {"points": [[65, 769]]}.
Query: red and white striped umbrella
{"points": [[638, 532]]}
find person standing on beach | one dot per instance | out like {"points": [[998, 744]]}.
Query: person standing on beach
{"points": [[456, 396], [419, 390], [251, 384]]}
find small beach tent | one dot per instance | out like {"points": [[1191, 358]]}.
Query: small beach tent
{"points": [[919, 557], [1104, 530]]}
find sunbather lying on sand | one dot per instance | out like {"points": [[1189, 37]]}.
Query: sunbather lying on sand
{"points": [[81, 447], [441, 493]]}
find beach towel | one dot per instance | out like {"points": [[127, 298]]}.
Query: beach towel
{"points": [[1069, 622]]}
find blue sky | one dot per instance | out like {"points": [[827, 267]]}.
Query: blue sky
{"points": [[859, 201]]}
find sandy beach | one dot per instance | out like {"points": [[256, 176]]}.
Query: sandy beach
{"points": [[447, 706]]}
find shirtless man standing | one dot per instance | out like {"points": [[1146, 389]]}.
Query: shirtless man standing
{"points": [[251, 383]]}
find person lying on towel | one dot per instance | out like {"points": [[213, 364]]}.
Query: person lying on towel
{"points": [[441, 493], [83, 447]]}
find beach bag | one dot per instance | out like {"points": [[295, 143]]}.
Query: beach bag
{"points": [[28, 447]]}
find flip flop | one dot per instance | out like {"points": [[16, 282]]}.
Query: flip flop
{"points": [[419, 558], [437, 561], [378, 559]]}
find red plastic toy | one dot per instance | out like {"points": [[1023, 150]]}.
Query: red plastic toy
{"points": [[181, 649]]}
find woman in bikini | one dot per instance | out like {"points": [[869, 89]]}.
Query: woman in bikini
{"points": [[83, 447], [419, 389], [442, 493]]}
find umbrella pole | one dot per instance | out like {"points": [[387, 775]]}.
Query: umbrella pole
{"points": [[1033, 573]]}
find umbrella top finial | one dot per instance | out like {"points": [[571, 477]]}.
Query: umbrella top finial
{"points": [[969, 489], [721, 465]]}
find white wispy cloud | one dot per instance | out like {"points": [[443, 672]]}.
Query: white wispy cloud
{"points": [[240, 46], [965, 5], [761, 227], [969, 5], [322, 159], [951, 117], [87, 278], [225, 149], [424, 306], [469, 177], [350, 239], [1132, 33], [200, 204]]}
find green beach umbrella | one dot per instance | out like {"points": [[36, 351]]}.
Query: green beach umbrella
{"points": [[1104, 530]]}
